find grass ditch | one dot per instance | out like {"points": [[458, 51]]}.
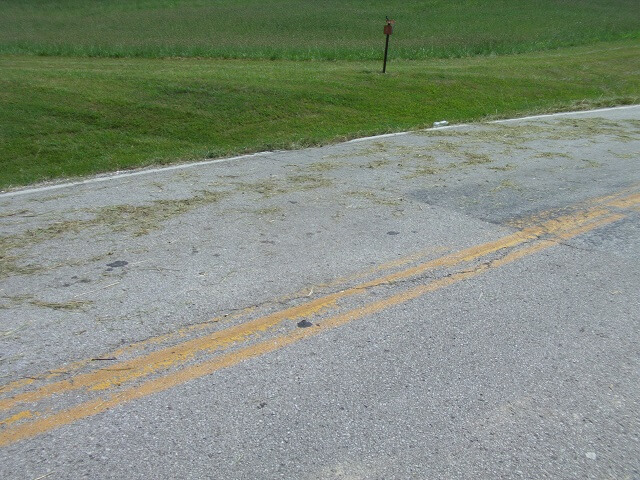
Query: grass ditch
{"points": [[72, 117]]}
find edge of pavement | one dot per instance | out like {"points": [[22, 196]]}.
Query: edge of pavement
{"points": [[182, 166]]}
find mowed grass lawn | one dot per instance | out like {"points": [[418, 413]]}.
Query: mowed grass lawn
{"points": [[88, 87], [75, 116]]}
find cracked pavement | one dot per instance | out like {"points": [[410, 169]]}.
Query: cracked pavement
{"points": [[450, 303]]}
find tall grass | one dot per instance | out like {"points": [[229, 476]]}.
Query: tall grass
{"points": [[308, 29]]}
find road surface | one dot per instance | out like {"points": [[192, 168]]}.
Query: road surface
{"points": [[452, 303]]}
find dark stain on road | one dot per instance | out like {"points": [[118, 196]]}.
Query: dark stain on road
{"points": [[117, 263]]}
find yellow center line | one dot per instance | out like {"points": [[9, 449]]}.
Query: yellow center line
{"points": [[182, 332], [605, 200], [626, 202], [117, 374], [165, 358], [155, 385], [17, 384], [612, 199], [140, 346]]}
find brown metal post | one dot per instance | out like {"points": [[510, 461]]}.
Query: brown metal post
{"points": [[388, 30], [386, 49]]}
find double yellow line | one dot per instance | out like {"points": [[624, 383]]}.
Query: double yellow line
{"points": [[206, 352]]}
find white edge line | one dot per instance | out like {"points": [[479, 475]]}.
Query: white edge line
{"points": [[118, 175], [375, 137], [182, 166], [563, 114]]}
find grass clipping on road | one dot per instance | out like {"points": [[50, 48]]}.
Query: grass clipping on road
{"points": [[65, 117]]}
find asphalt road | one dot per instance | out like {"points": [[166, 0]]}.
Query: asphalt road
{"points": [[453, 303]]}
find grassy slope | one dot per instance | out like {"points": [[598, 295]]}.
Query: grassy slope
{"points": [[69, 115], [308, 29], [75, 116]]}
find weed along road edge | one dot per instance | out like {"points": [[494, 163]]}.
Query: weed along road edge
{"points": [[450, 303]]}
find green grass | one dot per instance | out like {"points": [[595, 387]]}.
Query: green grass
{"points": [[308, 29], [95, 86], [62, 117]]}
